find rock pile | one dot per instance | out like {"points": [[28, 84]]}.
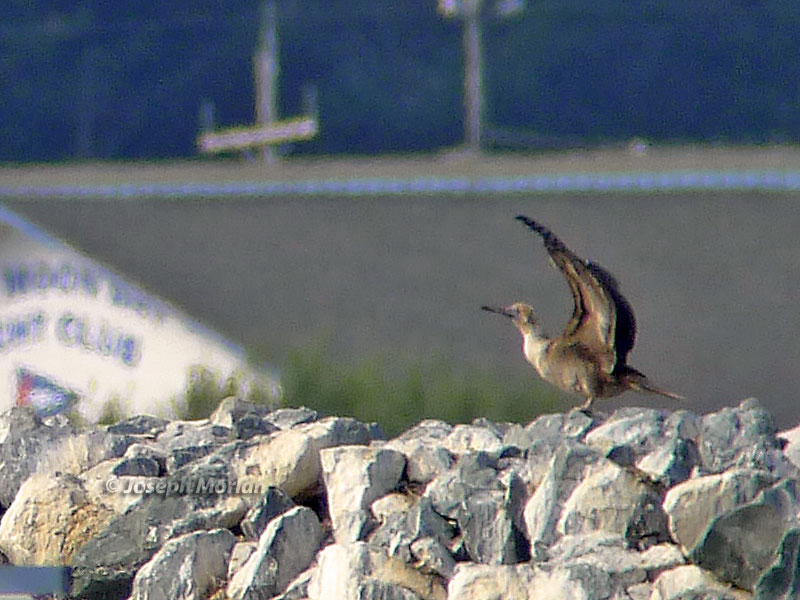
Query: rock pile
{"points": [[639, 505]]}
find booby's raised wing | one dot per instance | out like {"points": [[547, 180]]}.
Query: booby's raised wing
{"points": [[602, 319]]}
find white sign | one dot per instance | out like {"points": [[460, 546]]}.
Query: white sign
{"points": [[245, 137], [72, 322]]}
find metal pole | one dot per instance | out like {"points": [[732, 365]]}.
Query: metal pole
{"points": [[266, 73], [473, 76]]}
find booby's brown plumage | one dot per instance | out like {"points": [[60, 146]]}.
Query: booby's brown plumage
{"points": [[590, 356]]}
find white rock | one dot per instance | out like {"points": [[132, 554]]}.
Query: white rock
{"points": [[691, 506], [355, 476], [527, 582], [50, 519], [185, 568], [391, 504], [351, 571], [471, 438], [239, 555], [690, 581], [544, 508], [614, 500], [285, 549]]}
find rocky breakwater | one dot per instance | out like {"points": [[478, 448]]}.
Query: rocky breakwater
{"points": [[249, 504]]}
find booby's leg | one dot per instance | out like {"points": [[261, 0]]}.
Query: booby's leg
{"points": [[588, 404]]}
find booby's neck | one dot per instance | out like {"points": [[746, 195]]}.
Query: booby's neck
{"points": [[534, 345]]}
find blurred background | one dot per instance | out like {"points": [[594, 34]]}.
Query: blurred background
{"points": [[368, 303]]}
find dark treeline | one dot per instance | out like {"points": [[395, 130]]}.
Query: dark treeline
{"points": [[126, 80]]}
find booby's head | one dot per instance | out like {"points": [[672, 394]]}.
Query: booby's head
{"points": [[521, 315]]}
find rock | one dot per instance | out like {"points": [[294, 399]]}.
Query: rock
{"points": [[692, 505], [544, 508], [401, 529], [285, 549], [139, 449], [290, 459], [76, 453], [24, 443], [49, 520], [432, 557], [741, 544], [356, 571], [640, 429], [614, 500], [423, 447], [613, 555], [286, 418], [390, 504], [354, 477], [782, 579], [196, 497], [245, 418], [146, 425], [449, 491], [470, 438], [192, 434], [744, 436], [117, 492], [239, 554], [488, 529], [527, 582], [690, 581], [547, 433], [186, 568], [233, 408], [271, 504], [483, 582], [179, 457], [137, 466], [672, 463], [298, 588]]}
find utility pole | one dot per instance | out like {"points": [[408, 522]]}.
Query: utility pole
{"points": [[266, 74], [473, 75], [470, 12]]}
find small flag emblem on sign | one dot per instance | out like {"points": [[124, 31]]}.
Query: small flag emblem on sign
{"points": [[43, 395]]}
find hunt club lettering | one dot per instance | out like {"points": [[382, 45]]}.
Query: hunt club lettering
{"points": [[22, 280], [72, 331], [75, 334], [75, 331]]}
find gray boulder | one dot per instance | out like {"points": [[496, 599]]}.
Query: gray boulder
{"points": [[186, 568], [744, 436], [285, 549], [740, 545], [143, 425], [543, 511], [616, 501], [286, 418], [355, 476], [24, 443], [358, 570], [781, 581], [399, 530], [271, 504], [690, 582], [692, 505], [197, 497]]}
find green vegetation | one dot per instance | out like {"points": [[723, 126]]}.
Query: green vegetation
{"points": [[112, 412], [207, 388], [372, 390]]}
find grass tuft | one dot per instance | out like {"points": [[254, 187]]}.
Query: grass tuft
{"points": [[374, 390]]}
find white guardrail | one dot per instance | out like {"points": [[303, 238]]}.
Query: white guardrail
{"points": [[667, 181]]}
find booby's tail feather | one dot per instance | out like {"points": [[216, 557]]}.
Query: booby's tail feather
{"points": [[638, 382]]}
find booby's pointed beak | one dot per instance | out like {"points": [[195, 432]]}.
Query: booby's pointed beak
{"points": [[499, 310]]}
